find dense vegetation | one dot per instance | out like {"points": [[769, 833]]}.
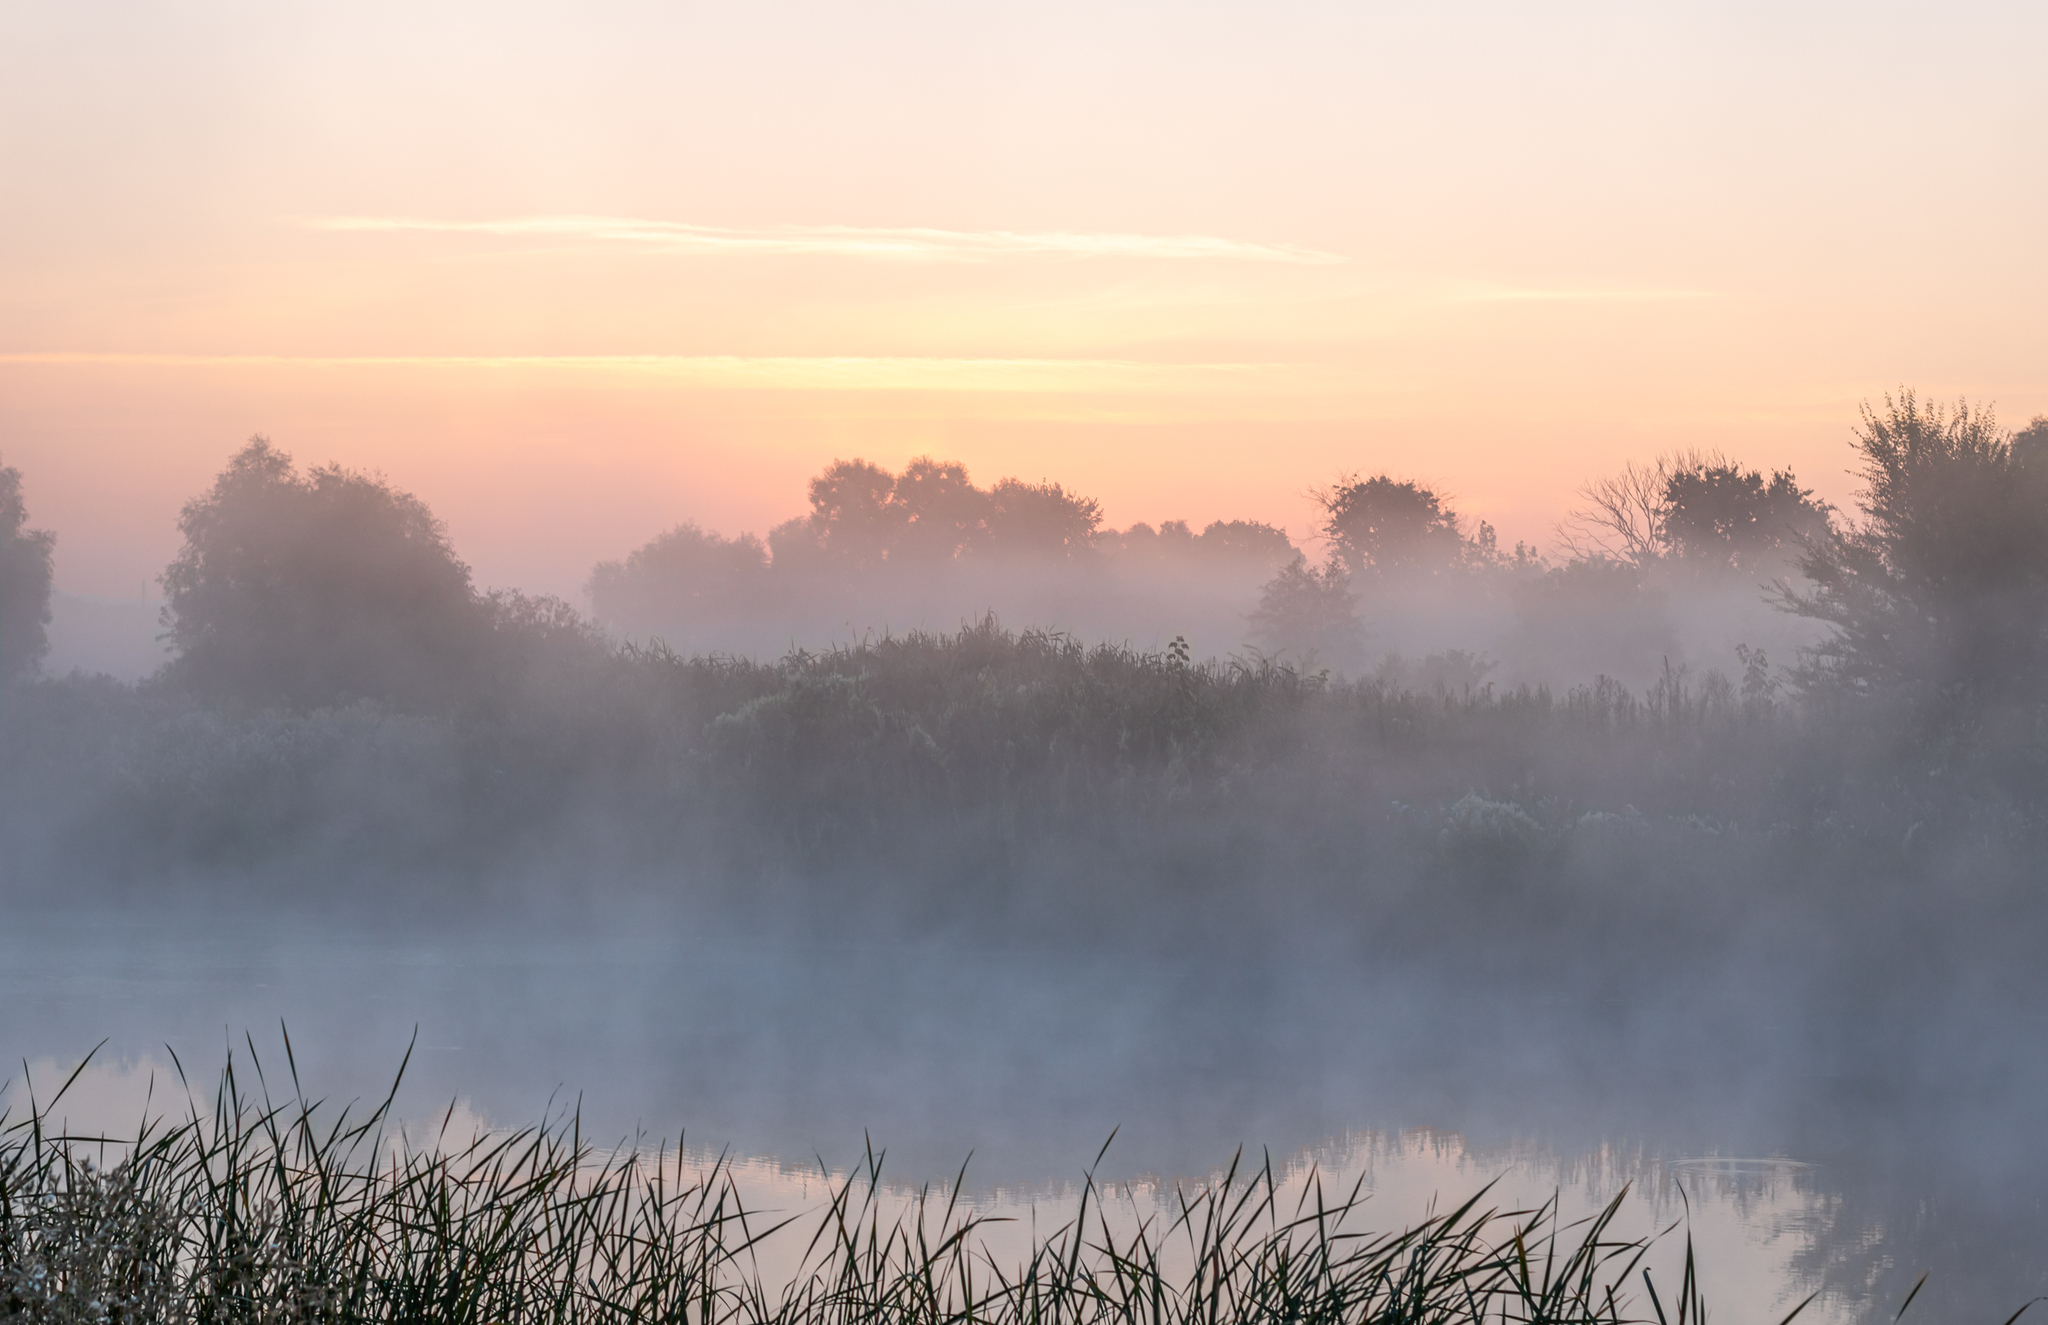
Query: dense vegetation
{"points": [[340, 693], [257, 1212]]}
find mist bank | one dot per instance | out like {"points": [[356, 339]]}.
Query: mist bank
{"points": [[340, 700]]}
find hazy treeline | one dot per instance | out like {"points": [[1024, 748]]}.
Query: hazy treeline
{"points": [[339, 690], [1661, 564]]}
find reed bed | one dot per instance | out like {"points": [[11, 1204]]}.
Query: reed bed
{"points": [[255, 1211]]}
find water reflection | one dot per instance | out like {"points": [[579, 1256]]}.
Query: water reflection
{"points": [[784, 1052]]}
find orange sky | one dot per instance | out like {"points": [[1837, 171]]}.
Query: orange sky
{"points": [[575, 273]]}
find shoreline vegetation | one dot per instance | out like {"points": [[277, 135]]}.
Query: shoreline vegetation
{"points": [[339, 695], [295, 1211]]}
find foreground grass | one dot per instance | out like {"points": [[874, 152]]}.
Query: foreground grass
{"points": [[257, 1211]]}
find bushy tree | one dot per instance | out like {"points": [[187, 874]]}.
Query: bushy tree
{"points": [[940, 513], [24, 583], [1246, 540], [852, 519], [1380, 526], [1039, 520], [1941, 590], [306, 591], [1697, 510], [1309, 613], [1720, 517], [682, 573]]}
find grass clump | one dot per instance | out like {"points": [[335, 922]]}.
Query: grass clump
{"points": [[257, 1211]]}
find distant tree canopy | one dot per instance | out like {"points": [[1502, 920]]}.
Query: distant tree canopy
{"points": [[862, 516], [1720, 517], [1381, 526], [683, 573], [24, 583], [1697, 510], [865, 520], [318, 589], [1309, 615], [1942, 588]]}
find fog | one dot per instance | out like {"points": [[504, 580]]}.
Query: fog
{"points": [[968, 826]]}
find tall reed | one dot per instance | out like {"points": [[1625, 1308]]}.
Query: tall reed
{"points": [[258, 1211]]}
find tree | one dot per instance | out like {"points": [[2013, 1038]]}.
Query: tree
{"points": [[1040, 519], [24, 583], [1721, 518], [1309, 612], [683, 574], [1942, 589], [851, 515], [1246, 540], [940, 514], [1378, 527], [1696, 509], [318, 590]]}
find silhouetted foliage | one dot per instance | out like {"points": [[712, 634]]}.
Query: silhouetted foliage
{"points": [[1309, 614], [1698, 510], [317, 590], [942, 513], [683, 574], [1379, 526], [1248, 540], [851, 515], [24, 582], [1040, 520], [1942, 589], [1720, 517]]}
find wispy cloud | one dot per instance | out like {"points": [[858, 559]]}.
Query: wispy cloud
{"points": [[735, 372], [915, 243], [1510, 294]]}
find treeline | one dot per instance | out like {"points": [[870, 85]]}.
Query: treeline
{"points": [[1384, 543], [340, 690]]}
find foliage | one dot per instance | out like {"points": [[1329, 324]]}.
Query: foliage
{"points": [[1942, 590], [1718, 517], [316, 590], [1696, 510], [684, 573], [261, 1211], [24, 582], [1378, 526], [1310, 614]]}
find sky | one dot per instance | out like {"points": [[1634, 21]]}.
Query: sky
{"points": [[576, 273]]}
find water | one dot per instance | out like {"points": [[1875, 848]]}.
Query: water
{"points": [[792, 1054]]}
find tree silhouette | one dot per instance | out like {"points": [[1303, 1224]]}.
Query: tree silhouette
{"points": [[940, 513], [1040, 520], [24, 583], [1246, 540], [1311, 613], [1942, 589], [1696, 509], [318, 590], [679, 575], [1379, 526], [1716, 516], [851, 517]]}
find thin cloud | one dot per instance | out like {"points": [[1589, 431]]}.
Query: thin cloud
{"points": [[1508, 294], [913, 243], [839, 373]]}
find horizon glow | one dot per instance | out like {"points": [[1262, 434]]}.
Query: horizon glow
{"points": [[574, 277]]}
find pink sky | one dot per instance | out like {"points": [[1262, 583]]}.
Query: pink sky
{"points": [[576, 273]]}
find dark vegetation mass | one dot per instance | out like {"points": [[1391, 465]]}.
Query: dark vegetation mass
{"points": [[339, 693], [291, 1211]]}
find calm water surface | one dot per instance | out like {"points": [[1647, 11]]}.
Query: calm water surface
{"points": [[790, 1054]]}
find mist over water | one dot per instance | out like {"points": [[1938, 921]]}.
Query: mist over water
{"points": [[1422, 861]]}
